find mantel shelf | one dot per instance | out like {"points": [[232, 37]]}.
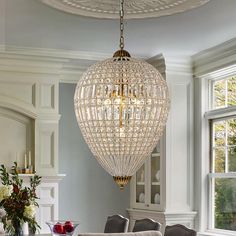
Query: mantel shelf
{"points": [[45, 178]]}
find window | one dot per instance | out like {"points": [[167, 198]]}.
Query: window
{"points": [[223, 154], [224, 93]]}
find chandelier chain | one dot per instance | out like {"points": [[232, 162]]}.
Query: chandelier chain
{"points": [[121, 24]]}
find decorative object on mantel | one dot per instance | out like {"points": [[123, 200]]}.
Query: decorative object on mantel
{"points": [[28, 165], [18, 202], [121, 106], [135, 8]]}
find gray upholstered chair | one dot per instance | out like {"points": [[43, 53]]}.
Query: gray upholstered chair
{"points": [[179, 230], [116, 224], [146, 225]]}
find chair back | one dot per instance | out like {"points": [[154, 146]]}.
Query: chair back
{"points": [[145, 225], [116, 224], [179, 230]]}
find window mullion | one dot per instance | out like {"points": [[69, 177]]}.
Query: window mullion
{"points": [[220, 113], [226, 148], [226, 93], [211, 96], [230, 175], [212, 147], [212, 203]]}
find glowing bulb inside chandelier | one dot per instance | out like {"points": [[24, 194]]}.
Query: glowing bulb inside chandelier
{"points": [[121, 106]]}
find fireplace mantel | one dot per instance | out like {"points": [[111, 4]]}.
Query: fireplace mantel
{"points": [[29, 115]]}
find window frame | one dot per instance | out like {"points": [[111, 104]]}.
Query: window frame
{"points": [[213, 175], [209, 115]]}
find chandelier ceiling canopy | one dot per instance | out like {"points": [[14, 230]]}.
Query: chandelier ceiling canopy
{"points": [[121, 106], [134, 8]]}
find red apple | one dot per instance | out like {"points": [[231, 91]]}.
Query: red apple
{"points": [[58, 228], [68, 226]]}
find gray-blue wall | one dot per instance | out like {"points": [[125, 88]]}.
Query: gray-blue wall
{"points": [[87, 193]]}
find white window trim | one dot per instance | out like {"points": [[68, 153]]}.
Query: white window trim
{"points": [[202, 148], [216, 232], [222, 112], [214, 62]]}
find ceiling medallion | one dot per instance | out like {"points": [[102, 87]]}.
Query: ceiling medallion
{"points": [[134, 8]]}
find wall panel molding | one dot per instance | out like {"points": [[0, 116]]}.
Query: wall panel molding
{"points": [[29, 86]]}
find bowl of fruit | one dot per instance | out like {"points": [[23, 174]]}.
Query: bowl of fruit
{"points": [[62, 227]]}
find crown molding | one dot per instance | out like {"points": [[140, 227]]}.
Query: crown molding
{"points": [[57, 54], [68, 66], [215, 58], [178, 64], [53, 53], [158, 62], [167, 63]]}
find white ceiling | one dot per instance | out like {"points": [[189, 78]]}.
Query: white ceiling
{"points": [[30, 23], [134, 9]]}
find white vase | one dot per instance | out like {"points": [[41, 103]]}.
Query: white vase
{"points": [[25, 228], [1, 228]]}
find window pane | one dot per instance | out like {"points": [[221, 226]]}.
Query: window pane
{"points": [[231, 132], [224, 93], [225, 204], [231, 142], [219, 154], [231, 92], [219, 131], [219, 94], [232, 159]]}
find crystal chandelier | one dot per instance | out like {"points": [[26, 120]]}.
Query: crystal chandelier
{"points": [[121, 106]]}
